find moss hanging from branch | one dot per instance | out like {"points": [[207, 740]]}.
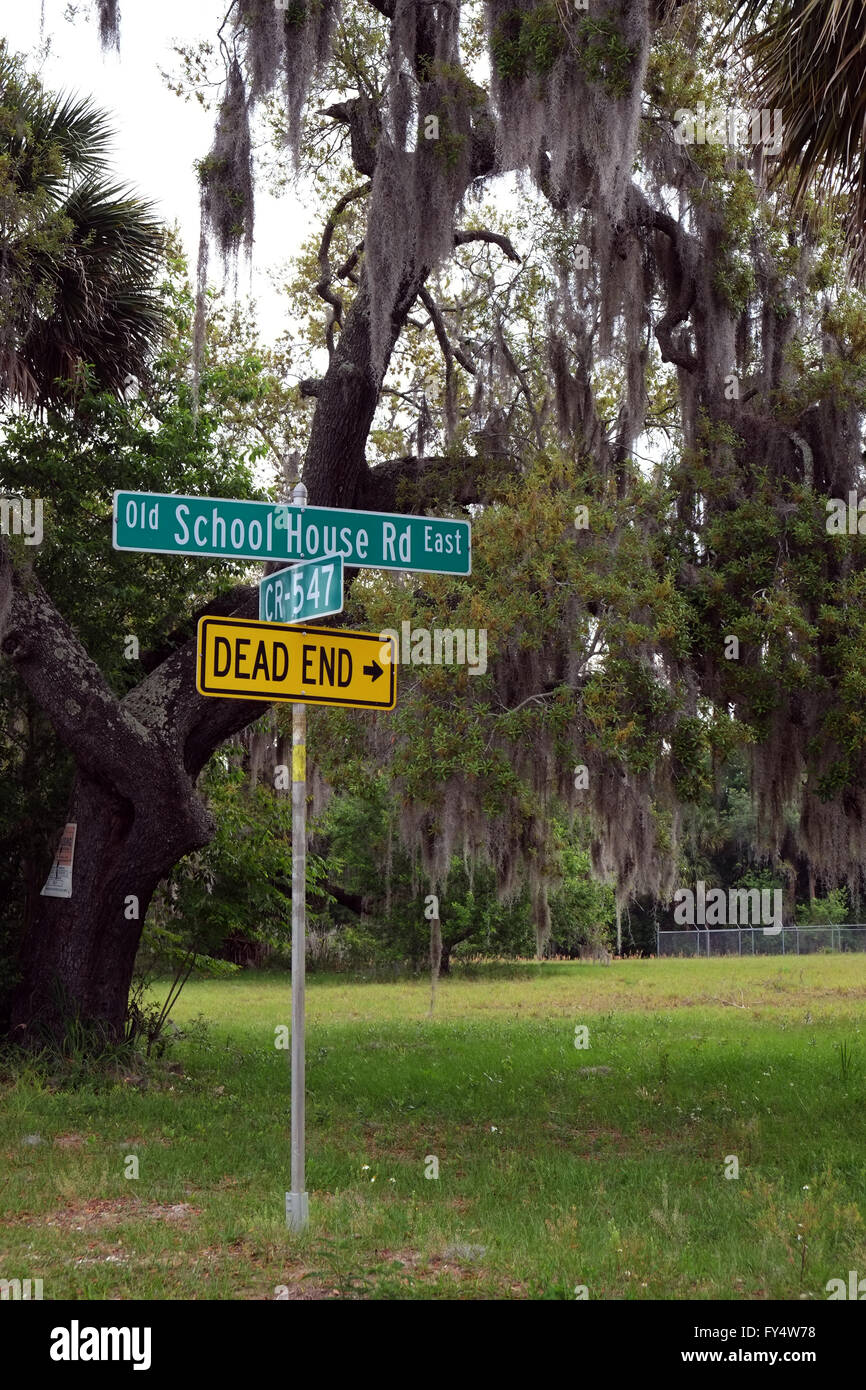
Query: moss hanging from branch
{"points": [[226, 175], [226, 180], [389, 245], [109, 24], [292, 40], [199, 325], [568, 92], [309, 25], [261, 25], [540, 913], [423, 159]]}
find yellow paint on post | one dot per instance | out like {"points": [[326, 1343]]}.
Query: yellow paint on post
{"points": [[241, 659], [299, 762]]}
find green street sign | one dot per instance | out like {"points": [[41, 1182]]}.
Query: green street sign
{"points": [[379, 540], [169, 524], [310, 589]]}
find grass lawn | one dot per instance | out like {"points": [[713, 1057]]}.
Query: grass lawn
{"points": [[558, 1166]]}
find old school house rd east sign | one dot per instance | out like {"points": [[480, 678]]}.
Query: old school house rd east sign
{"points": [[168, 524], [240, 659]]}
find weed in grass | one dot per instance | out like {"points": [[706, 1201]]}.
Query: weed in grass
{"points": [[846, 1060], [670, 1218], [340, 1261]]}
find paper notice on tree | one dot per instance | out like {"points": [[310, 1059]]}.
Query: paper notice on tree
{"points": [[59, 881]]}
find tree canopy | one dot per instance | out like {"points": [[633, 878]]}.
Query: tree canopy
{"points": [[551, 289]]}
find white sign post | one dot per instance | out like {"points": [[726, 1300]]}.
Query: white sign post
{"points": [[297, 1201]]}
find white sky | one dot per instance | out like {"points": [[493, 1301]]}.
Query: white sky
{"points": [[159, 136]]}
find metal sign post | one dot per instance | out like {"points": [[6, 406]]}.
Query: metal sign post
{"points": [[297, 1204], [297, 1201]]}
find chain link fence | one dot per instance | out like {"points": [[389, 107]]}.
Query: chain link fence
{"points": [[753, 941]]}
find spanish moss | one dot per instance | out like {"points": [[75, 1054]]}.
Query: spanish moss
{"points": [[109, 24]]}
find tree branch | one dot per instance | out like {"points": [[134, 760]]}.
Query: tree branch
{"points": [[346, 269], [168, 697], [462, 238], [326, 277], [517, 371], [110, 744], [449, 353], [430, 481], [385, 7], [63, 680], [361, 116], [679, 276]]}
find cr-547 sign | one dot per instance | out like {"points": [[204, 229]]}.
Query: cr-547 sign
{"points": [[310, 589]]}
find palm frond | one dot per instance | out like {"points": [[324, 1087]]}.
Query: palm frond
{"points": [[105, 313], [79, 255], [809, 61]]}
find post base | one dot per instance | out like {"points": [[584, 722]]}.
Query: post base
{"points": [[297, 1210]]}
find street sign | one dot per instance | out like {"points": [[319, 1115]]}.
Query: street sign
{"points": [[241, 659], [310, 589], [169, 524], [379, 540], [166, 524]]}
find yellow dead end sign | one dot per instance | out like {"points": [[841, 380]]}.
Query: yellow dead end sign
{"points": [[241, 659]]}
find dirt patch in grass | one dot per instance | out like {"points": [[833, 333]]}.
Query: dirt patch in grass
{"points": [[103, 1211], [175, 1211], [70, 1141], [113, 1257], [410, 1268]]}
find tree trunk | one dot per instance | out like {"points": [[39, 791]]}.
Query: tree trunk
{"points": [[133, 802], [77, 957], [435, 958]]}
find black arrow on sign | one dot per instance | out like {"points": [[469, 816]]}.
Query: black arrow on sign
{"points": [[374, 670]]}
